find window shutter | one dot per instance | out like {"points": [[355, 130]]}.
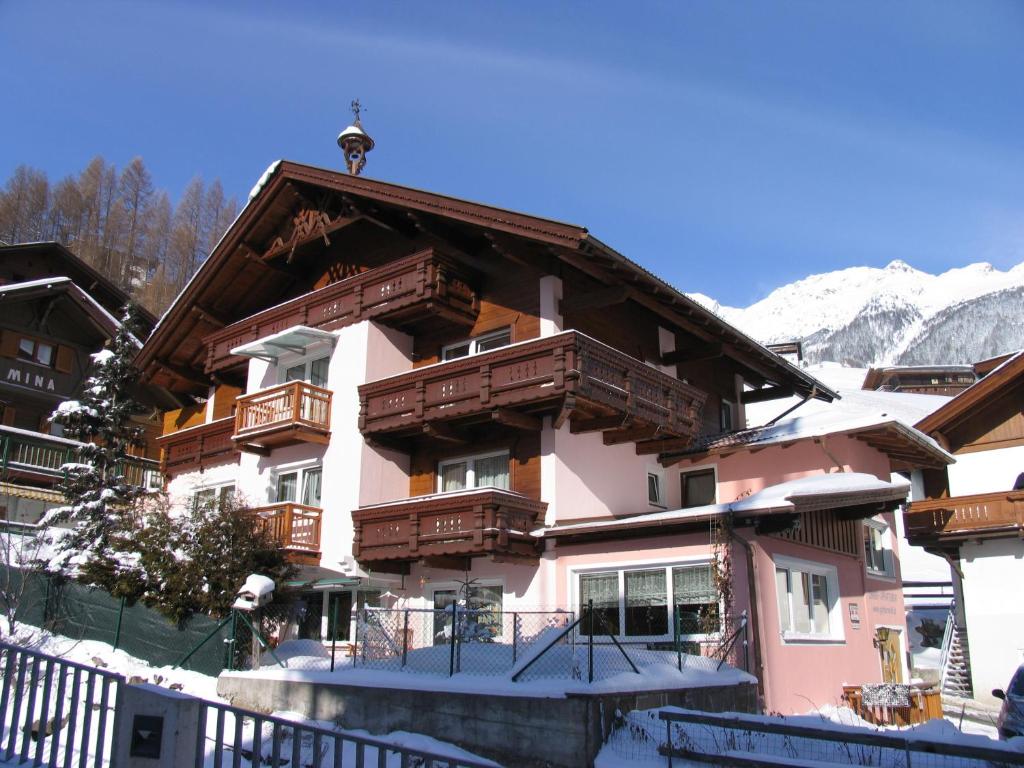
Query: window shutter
{"points": [[8, 343], [65, 359], [8, 416]]}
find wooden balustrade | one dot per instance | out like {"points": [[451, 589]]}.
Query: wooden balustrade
{"points": [[960, 517], [461, 524], [925, 705], [290, 413], [294, 527], [426, 285], [568, 374], [198, 447]]}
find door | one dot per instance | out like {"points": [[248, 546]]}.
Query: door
{"points": [[888, 641]]}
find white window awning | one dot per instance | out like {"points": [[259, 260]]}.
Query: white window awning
{"points": [[295, 340]]}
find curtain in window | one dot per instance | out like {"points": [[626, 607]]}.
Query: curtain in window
{"points": [[492, 471], [603, 589], [801, 585], [287, 486], [698, 488], [819, 592], [226, 496], [646, 603], [782, 592], [312, 482], [453, 476], [494, 342], [295, 373], [318, 372], [696, 599]]}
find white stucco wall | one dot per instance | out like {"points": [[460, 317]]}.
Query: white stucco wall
{"points": [[550, 309], [915, 563], [985, 471], [992, 582]]}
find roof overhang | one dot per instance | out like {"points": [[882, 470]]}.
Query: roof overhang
{"points": [[295, 340]]}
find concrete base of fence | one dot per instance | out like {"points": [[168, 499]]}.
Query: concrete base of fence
{"points": [[515, 731], [145, 708]]}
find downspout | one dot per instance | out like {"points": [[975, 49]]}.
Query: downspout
{"points": [[755, 621]]}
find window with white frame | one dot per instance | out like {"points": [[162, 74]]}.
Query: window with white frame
{"points": [[655, 488], [646, 601], [697, 487], [214, 497], [301, 486], [878, 548], [488, 470], [483, 343], [480, 606], [808, 600], [312, 369]]}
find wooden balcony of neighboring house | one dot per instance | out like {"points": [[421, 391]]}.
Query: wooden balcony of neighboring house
{"points": [[982, 515], [290, 413], [922, 705], [294, 527], [38, 458], [198, 447], [569, 376], [418, 289], [447, 528]]}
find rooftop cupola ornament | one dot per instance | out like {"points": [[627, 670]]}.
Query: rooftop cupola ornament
{"points": [[355, 143]]}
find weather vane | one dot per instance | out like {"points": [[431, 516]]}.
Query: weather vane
{"points": [[355, 142]]}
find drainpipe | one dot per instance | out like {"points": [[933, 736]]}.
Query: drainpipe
{"points": [[755, 622]]}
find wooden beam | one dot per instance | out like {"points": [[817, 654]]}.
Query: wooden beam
{"points": [[515, 419], [664, 446], [443, 432], [600, 424], [567, 409], [259, 450], [602, 297], [186, 374], [694, 353], [618, 436], [446, 563], [208, 317], [766, 393]]}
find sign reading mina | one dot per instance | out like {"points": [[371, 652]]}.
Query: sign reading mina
{"points": [[31, 377]]}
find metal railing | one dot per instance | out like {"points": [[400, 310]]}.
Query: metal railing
{"points": [[55, 712], [233, 735]]}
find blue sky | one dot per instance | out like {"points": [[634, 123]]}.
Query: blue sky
{"points": [[728, 146]]}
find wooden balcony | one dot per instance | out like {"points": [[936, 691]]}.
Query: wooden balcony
{"points": [[295, 528], [982, 515], [419, 288], [198, 447], [569, 375], [296, 412], [445, 529]]}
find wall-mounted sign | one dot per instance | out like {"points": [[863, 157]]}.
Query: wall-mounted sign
{"points": [[34, 377], [855, 615]]}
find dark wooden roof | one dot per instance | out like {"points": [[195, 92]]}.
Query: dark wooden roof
{"points": [[31, 261], [245, 273]]}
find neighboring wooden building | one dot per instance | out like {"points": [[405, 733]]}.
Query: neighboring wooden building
{"points": [[971, 515], [921, 379], [49, 327]]}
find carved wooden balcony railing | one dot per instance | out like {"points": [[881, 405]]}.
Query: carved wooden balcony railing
{"points": [[568, 374], [198, 447], [440, 527], [295, 528], [296, 412], [963, 517], [402, 293]]}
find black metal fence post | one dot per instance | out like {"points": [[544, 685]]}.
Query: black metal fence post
{"points": [[334, 632], [746, 643], [451, 660], [405, 638], [678, 631], [590, 641], [117, 630], [515, 636]]}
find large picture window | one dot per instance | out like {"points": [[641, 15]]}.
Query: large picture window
{"points": [[483, 471], [808, 600], [644, 602]]}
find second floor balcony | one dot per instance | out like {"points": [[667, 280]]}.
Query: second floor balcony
{"points": [[569, 375], [198, 447], [294, 412], [982, 515], [294, 527]]}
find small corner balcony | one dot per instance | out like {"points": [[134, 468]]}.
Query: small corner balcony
{"points": [[294, 527], [932, 522], [445, 529], [569, 376], [295, 412], [198, 447]]}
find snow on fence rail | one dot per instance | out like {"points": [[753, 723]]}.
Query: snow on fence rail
{"points": [[750, 740]]}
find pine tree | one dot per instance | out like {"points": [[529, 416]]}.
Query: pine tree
{"points": [[99, 498]]}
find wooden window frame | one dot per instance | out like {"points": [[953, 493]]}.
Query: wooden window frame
{"points": [[683, 474]]}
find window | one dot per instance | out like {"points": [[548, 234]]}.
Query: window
{"points": [[877, 550], [698, 488], [303, 486], [725, 416], [482, 620], [644, 602], [314, 371], [35, 351], [655, 493], [484, 343], [213, 499], [484, 471], [808, 600]]}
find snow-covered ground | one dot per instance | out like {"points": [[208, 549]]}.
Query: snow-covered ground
{"points": [[103, 656]]}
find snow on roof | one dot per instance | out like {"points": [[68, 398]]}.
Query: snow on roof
{"points": [[263, 179], [258, 585], [39, 283], [834, 489], [63, 282]]}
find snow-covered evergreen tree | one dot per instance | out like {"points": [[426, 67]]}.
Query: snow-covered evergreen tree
{"points": [[98, 495]]}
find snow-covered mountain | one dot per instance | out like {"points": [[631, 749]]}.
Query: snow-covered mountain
{"points": [[896, 315]]}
